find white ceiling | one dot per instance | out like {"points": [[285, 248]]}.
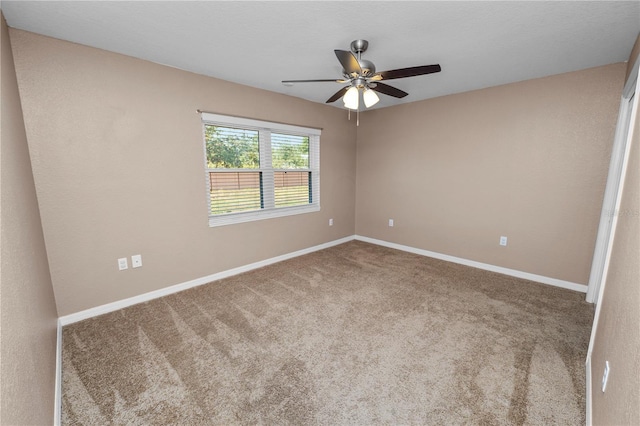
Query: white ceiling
{"points": [[478, 44]]}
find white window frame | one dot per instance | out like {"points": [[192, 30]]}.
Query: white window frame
{"points": [[265, 128]]}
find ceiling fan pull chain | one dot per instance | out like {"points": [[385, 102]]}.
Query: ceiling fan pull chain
{"points": [[357, 117]]}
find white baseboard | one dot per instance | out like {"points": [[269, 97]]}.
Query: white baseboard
{"points": [[499, 269], [114, 306], [57, 409]]}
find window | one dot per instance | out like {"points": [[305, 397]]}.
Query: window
{"points": [[258, 170]]}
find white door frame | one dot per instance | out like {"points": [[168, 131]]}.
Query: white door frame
{"points": [[609, 217], [613, 189]]}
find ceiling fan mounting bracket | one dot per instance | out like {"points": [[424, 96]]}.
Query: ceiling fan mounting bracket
{"points": [[359, 46]]}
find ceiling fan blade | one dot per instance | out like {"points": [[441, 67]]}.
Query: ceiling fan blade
{"points": [[312, 81], [410, 72], [389, 90], [340, 93], [348, 61]]}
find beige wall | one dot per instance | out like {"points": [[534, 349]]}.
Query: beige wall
{"points": [[617, 337], [527, 160], [27, 306], [117, 153]]}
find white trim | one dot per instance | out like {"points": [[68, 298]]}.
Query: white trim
{"points": [[603, 238], [612, 196], [233, 218], [241, 121], [487, 267], [114, 306], [589, 391], [57, 409], [632, 84]]}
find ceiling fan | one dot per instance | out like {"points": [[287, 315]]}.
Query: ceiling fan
{"points": [[361, 76]]}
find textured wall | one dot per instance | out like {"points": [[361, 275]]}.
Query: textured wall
{"points": [[118, 163], [617, 337], [526, 160], [27, 305]]}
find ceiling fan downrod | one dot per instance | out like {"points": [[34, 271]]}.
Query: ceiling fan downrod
{"points": [[358, 47]]}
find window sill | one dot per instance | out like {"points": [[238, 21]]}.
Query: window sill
{"points": [[233, 218]]}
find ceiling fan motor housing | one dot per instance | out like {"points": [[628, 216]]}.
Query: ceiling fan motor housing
{"points": [[368, 68]]}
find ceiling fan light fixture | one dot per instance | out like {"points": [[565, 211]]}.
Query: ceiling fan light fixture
{"points": [[351, 99], [370, 98]]}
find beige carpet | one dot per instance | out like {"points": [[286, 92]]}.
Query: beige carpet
{"points": [[353, 335]]}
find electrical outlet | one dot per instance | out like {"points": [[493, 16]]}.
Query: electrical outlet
{"points": [[390, 222], [330, 222], [605, 376], [122, 264], [136, 261], [503, 241]]}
